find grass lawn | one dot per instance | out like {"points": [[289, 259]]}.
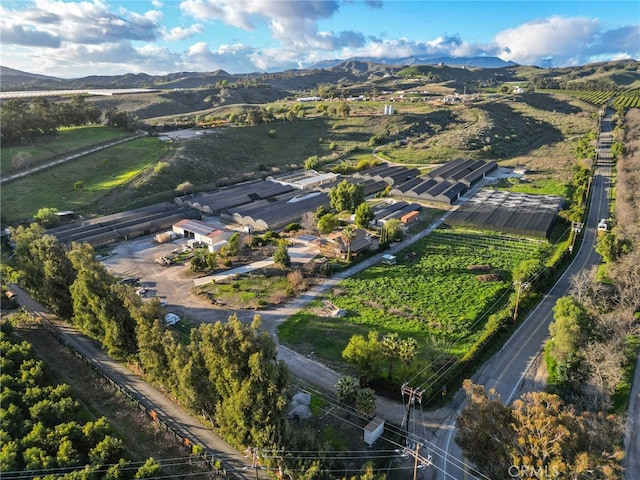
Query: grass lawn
{"points": [[431, 295], [68, 140], [252, 290], [99, 173]]}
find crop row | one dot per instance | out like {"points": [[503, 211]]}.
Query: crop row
{"points": [[432, 291], [598, 97]]}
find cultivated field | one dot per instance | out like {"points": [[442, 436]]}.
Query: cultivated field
{"points": [[441, 293]]}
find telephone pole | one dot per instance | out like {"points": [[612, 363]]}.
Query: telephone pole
{"points": [[414, 394]]}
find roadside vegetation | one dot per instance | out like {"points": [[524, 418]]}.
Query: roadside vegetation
{"points": [[46, 429], [590, 357]]}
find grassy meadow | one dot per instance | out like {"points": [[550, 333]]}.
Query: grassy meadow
{"points": [[68, 140], [81, 183]]}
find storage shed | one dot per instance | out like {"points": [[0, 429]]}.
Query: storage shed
{"points": [[373, 430], [410, 217]]}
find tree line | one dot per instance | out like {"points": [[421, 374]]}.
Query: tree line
{"points": [[225, 372], [24, 121]]}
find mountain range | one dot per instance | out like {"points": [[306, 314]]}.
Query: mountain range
{"points": [[458, 71]]}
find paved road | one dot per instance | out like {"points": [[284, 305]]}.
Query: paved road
{"points": [[510, 370], [632, 438], [169, 412]]}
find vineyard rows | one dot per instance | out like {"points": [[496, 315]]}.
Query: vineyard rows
{"points": [[630, 99]]}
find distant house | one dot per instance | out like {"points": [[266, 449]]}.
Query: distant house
{"points": [[333, 245]]}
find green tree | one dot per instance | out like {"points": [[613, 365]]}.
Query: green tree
{"points": [[281, 256], [252, 385], [108, 450], [568, 327], [608, 245], [233, 245], [390, 349], [408, 350], [327, 223], [343, 109], [346, 196], [312, 163], [393, 229], [46, 271], [150, 469], [364, 215], [366, 354], [348, 235], [366, 401], [527, 270], [47, 217]]}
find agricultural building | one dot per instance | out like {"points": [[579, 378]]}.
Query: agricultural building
{"points": [[446, 183], [278, 212], [391, 175], [305, 179], [202, 233], [122, 226], [231, 197], [508, 212]]}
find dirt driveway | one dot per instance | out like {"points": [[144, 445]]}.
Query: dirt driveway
{"points": [[176, 286], [173, 284]]}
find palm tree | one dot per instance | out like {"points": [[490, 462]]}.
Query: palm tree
{"points": [[348, 236], [408, 350], [390, 350], [347, 390], [366, 401]]}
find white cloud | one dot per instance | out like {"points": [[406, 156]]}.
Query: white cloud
{"points": [[180, 33]]}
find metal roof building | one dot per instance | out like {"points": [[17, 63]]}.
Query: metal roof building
{"points": [[124, 225], [508, 212]]}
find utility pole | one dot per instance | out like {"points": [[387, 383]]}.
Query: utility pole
{"points": [[415, 464], [521, 285], [413, 393]]}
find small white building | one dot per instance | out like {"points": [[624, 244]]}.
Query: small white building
{"points": [[197, 232], [373, 430]]}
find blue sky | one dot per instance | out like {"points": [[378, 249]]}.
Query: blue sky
{"points": [[71, 39]]}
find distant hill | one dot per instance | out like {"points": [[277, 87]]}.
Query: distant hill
{"points": [[479, 62], [623, 74]]}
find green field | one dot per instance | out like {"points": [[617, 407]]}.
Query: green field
{"points": [[432, 294], [99, 173], [45, 149]]}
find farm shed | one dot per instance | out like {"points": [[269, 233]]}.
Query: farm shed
{"points": [[446, 183], [401, 212], [304, 179], [227, 198], [391, 175], [516, 213], [410, 217], [373, 430], [123, 225], [203, 233], [271, 215]]}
